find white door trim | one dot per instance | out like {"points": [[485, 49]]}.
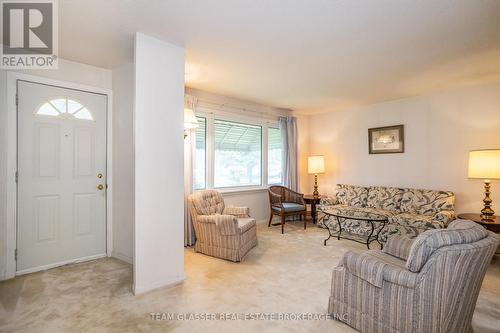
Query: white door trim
{"points": [[11, 227]]}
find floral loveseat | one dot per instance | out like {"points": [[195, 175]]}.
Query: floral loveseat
{"points": [[409, 211]]}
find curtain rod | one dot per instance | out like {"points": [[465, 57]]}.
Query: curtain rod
{"points": [[223, 106]]}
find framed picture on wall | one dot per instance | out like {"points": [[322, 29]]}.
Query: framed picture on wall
{"points": [[386, 140]]}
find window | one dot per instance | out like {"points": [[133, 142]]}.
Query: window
{"points": [[238, 150], [232, 153], [65, 108], [274, 156], [199, 172]]}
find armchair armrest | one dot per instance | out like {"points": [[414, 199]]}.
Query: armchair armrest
{"points": [[375, 271], [444, 217], [237, 211], [226, 224], [398, 246], [275, 200], [365, 267]]}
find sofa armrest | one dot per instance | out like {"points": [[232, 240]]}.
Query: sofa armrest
{"points": [[226, 224], [398, 246], [237, 211], [375, 271], [444, 217], [328, 201]]}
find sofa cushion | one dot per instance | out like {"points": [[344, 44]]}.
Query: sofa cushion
{"points": [[388, 198], [352, 195], [289, 207], [458, 232], [358, 212], [426, 202], [245, 223], [416, 221]]}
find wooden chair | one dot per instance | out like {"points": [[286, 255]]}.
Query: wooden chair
{"points": [[285, 202]]}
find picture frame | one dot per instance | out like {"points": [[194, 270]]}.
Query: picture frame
{"points": [[386, 140]]}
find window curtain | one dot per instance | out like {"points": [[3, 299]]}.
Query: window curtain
{"points": [[288, 127], [189, 160]]}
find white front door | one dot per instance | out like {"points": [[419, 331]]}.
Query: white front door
{"points": [[61, 176]]}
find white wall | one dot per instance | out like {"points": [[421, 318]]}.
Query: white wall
{"points": [[123, 163], [257, 201], [440, 129], [159, 158], [68, 71]]}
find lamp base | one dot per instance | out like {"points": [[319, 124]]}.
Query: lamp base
{"points": [[487, 214], [315, 192]]}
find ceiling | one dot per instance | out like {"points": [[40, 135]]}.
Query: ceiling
{"points": [[310, 56]]}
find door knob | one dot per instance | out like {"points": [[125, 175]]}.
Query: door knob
{"points": [[100, 187]]}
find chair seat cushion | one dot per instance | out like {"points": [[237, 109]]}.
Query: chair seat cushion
{"points": [[245, 223], [416, 221], [291, 207]]}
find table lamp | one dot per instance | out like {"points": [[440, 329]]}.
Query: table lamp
{"points": [[485, 164], [315, 165]]}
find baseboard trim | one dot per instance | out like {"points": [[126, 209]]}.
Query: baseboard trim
{"points": [[122, 257], [173, 281], [61, 263]]}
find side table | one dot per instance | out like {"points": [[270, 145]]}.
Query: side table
{"points": [[313, 201], [491, 226]]}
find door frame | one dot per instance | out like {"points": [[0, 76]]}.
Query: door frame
{"points": [[12, 155]]}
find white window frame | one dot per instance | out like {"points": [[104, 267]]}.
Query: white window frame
{"points": [[210, 116]]}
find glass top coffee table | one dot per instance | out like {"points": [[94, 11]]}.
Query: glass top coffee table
{"points": [[376, 224]]}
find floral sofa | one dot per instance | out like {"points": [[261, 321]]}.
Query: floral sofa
{"points": [[409, 211]]}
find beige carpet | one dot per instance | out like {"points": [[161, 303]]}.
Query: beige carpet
{"points": [[287, 273]]}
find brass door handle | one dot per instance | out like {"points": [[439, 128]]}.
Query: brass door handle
{"points": [[100, 187]]}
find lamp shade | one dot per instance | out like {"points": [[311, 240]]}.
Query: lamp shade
{"points": [[316, 164], [484, 164], [190, 120]]}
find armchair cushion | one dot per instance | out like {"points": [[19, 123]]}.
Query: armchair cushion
{"points": [[226, 224], [208, 202], [237, 211], [289, 207], [459, 232], [398, 246]]}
